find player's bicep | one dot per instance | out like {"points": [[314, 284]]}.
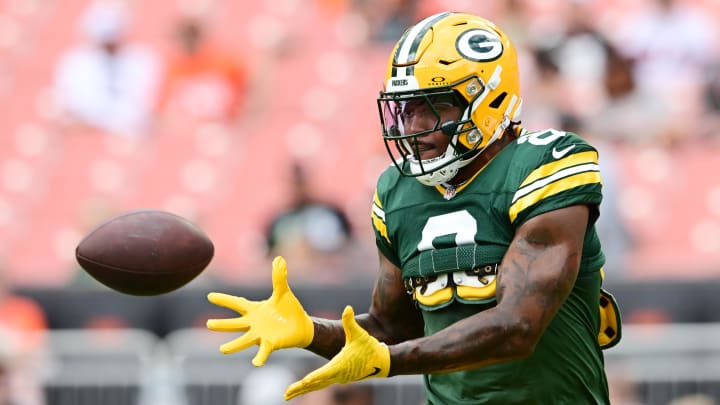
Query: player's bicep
{"points": [[392, 311], [540, 267]]}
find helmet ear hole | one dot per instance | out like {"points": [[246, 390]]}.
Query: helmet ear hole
{"points": [[498, 100]]}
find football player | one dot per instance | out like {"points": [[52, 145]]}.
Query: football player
{"points": [[490, 268]]}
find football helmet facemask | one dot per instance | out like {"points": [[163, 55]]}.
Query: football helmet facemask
{"points": [[449, 60]]}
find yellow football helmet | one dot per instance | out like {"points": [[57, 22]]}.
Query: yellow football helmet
{"points": [[449, 59]]}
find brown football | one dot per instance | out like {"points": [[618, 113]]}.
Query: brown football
{"points": [[145, 252]]}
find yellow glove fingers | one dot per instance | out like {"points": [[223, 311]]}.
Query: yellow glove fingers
{"points": [[228, 325], [241, 343], [362, 357], [318, 379], [263, 353], [352, 329], [237, 304], [347, 366], [279, 277]]}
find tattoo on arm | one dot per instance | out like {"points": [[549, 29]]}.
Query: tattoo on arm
{"points": [[392, 318]]}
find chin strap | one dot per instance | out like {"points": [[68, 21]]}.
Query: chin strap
{"points": [[437, 177]]}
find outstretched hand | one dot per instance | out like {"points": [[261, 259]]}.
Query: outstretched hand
{"points": [[362, 357], [278, 322]]}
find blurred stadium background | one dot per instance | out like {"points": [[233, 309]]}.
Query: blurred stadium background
{"points": [[292, 83]]}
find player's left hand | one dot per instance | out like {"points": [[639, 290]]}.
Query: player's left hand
{"points": [[362, 357]]}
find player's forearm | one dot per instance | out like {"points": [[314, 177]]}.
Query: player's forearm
{"points": [[330, 337], [467, 344], [495, 335]]}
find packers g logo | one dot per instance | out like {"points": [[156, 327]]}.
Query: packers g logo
{"points": [[479, 45]]}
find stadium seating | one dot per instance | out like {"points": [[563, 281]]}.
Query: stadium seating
{"points": [[318, 107], [128, 367], [110, 367]]}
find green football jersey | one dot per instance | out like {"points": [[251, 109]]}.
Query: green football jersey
{"points": [[434, 233]]}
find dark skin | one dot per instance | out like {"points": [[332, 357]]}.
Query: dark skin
{"points": [[535, 277]]}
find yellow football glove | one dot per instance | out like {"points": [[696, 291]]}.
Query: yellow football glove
{"points": [[276, 323], [362, 357]]}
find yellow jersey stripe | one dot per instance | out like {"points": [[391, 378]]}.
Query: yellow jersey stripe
{"points": [[376, 199], [378, 217], [380, 226], [523, 191], [553, 188], [550, 168]]}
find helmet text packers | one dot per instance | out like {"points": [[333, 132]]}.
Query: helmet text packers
{"points": [[457, 59]]}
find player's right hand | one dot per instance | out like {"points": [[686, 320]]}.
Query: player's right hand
{"points": [[278, 322]]}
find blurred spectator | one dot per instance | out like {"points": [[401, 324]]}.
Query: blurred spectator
{"points": [[712, 90], [623, 391], [622, 119], [629, 114], [673, 44], [712, 102], [24, 318], [106, 82], [6, 366], [582, 46], [568, 58], [514, 16], [547, 92], [579, 51], [612, 228], [584, 85], [312, 235], [386, 19], [202, 81], [23, 325]]}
